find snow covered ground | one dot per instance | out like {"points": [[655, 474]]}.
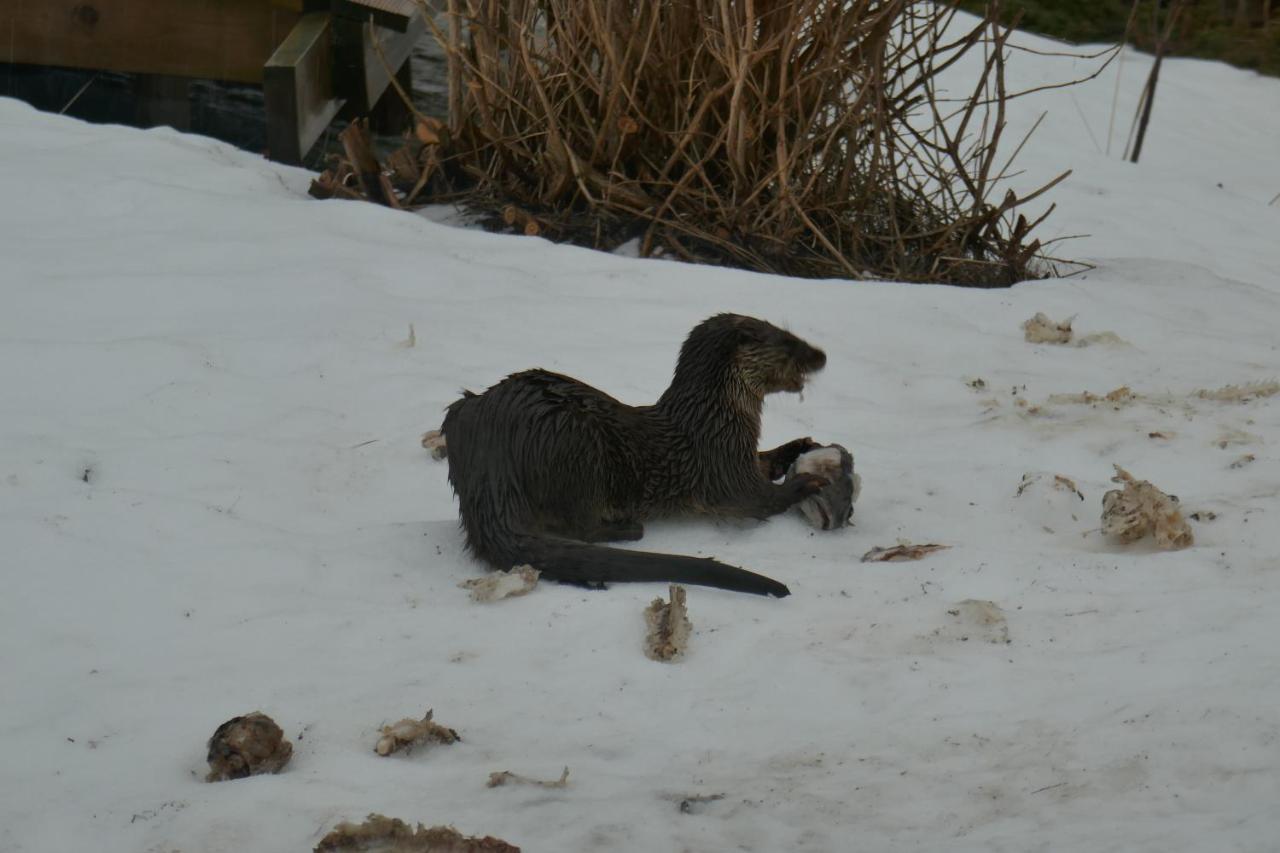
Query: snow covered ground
{"points": [[213, 500]]}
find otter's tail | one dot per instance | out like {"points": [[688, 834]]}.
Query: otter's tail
{"points": [[578, 562]]}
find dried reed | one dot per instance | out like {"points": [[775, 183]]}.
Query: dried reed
{"points": [[803, 137]]}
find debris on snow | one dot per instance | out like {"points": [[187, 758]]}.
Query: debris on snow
{"points": [[1110, 338], [1140, 509], [1060, 482], [693, 803], [901, 552], [381, 834], [1234, 437], [409, 733], [1118, 397], [979, 619], [1124, 396], [247, 746], [506, 777], [1239, 393], [669, 626], [359, 175], [1041, 330], [495, 586], [1025, 405], [434, 441], [1242, 461], [1067, 484]]}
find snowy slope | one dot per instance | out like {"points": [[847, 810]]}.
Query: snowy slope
{"points": [[213, 500]]}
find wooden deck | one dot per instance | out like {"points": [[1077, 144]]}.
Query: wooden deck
{"points": [[314, 58]]}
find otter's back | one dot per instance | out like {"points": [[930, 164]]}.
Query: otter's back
{"points": [[538, 451]]}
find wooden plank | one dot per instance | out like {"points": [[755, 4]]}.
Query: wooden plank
{"points": [[215, 39], [368, 56], [392, 14], [298, 89], [384, 53]]}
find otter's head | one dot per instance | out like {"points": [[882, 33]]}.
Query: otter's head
{"points": [[766, 358]]}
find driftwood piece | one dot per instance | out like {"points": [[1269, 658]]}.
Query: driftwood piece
{"points": [[669, 626], [901, 553], [373, 183]]}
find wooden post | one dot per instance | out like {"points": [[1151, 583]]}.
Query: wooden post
{"points": [[298, 89], [368, 55], [319, 55]]}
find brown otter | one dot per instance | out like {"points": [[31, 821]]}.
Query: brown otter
{"points": [[543, 464]]}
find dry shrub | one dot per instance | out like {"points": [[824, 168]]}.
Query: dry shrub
{"points": [[804, 137]]}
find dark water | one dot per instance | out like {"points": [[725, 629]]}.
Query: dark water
{"points": [[232, 112]]}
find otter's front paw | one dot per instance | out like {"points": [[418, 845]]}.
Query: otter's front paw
{"points": [[802, 486], [777, 461]]}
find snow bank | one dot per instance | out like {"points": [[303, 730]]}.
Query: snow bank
{"points": [[213, 500]]}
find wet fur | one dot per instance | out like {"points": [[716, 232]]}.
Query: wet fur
{"points": [[543, 464]]}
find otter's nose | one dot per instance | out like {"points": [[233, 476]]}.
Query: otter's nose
{"points": [[817, 359]]}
